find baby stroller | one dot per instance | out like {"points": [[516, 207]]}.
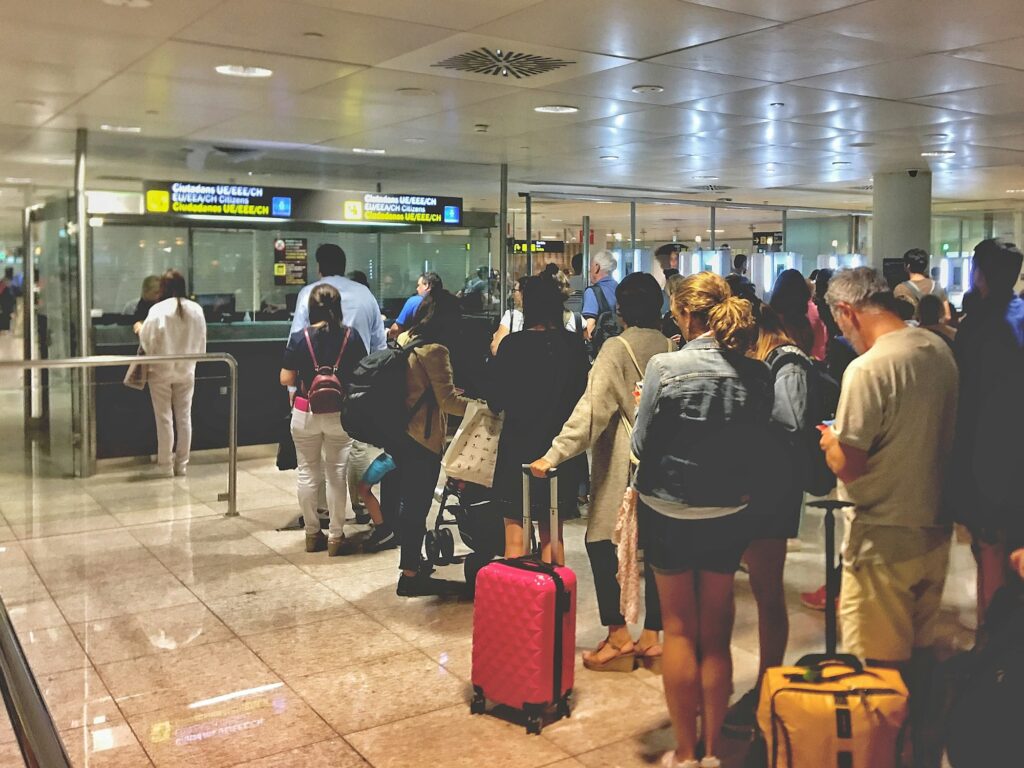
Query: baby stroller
{"points": [[468, 507]]}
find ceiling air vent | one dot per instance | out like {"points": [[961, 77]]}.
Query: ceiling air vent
{"points": [[484, 61], [711, 188]]}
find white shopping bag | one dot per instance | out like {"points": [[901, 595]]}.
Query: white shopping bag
{"points": [[473, 452]]}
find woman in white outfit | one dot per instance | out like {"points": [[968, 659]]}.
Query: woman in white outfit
{"points": [[174, 326], [321, 444]]}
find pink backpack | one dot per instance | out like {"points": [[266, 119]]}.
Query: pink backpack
{"points": [[326, 394]]}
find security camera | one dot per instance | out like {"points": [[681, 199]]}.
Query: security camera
{"points": [[912, 172]]}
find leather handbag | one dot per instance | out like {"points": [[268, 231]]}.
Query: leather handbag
{"points": [[473, 452]]}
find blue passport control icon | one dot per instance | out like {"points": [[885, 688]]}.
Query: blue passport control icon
{"points": [[281, 206], [451, 214]]}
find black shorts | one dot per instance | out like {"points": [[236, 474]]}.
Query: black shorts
{"points": [[674, 546], [778, 521]]}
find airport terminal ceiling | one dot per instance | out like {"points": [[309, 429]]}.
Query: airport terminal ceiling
{"points": [[786, 102]]}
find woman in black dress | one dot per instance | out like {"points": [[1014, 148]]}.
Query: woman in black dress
{"points": [[540, 374]]}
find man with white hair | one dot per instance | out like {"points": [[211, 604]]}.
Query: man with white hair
{"points": [[599, 297], [889, 447]]}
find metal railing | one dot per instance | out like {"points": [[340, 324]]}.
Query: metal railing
{"points": [[33, 726], [106, 361]]}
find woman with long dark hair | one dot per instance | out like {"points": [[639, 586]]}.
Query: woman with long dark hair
{"points": [[539, 376], [321, 443], [431, 397], [175, 326]]}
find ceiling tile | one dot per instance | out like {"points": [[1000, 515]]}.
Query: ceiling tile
{"points": [[993, 100], [782, 10], [915, 77], [105, 108], [139, 92], [791, 101], [877, 115], [772, 132], [159, 20], [782, 53], [1005, 53], [195, 61], [926, 25], [475, 57], [672, 121], [454, 14], [679, 84], [270, 25], [258, 127], [618, 29], [23, 41]]}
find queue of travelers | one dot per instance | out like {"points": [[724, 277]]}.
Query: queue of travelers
{"points": [[713, 438]]}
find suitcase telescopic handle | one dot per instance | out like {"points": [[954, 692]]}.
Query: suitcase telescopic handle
{"points": [[552, 475], [831, 506]]}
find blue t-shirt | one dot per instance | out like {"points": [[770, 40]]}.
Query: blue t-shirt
{"points": [[590, 304], [409, 310]]}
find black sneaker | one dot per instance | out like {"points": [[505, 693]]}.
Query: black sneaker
{"points": [[362, 516], [424, 586], [382, 537], [742, 716]]}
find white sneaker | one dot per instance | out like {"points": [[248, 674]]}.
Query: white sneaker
{"points": [[161, 471], [710, 762], [668, 760], [180, 470], [794, 545]]}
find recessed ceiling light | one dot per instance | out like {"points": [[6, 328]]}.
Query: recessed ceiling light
{"points": [[648, 89], [603, 202], [841, 163], [777, 104], [237, 70], [705, 178], [129, 3], [120, 128], [313, 35], [415, 92], [609, 157], [369, 151], [858, 144], [17, 180], [152, 111], [939, 153], [29, 103], [937, 136], [557, 109], [415, 140], [557, 220], [1015, 191]]}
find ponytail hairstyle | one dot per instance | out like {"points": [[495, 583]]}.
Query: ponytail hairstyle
{"points": [[325, 306], [707, 297], [172, 286]]}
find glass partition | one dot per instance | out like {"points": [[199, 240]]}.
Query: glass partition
{"points": [[123, 256]]}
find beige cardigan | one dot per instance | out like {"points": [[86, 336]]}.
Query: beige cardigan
{"points": [[430, 368], [597, 422]]}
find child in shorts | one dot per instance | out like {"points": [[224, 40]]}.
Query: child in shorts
{"points": [[383, 536]]}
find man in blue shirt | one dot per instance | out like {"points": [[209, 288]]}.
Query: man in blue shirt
{"points": [[602, 264], [359, 308], [427, 282]]}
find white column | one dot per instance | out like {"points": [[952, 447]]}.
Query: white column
{"points": [[902, 214]]}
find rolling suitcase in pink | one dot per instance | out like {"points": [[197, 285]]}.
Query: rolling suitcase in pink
{"points": [[524, 630]]}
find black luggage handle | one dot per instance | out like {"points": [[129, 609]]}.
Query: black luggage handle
{"points": [[552, 475], [831, 586], [819, 661]]}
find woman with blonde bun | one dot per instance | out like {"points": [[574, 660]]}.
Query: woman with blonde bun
{"points": [[704, 442]]}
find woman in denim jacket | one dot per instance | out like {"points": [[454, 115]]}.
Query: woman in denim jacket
{"points": [[704, 442]]}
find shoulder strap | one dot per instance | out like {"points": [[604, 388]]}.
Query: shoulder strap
{"points": [[602, 300], [782, 353], [309, 345], [344, 343], [918, 293], [632, 356]]}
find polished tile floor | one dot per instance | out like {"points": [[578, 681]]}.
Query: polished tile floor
{"points": [[163, 633]]}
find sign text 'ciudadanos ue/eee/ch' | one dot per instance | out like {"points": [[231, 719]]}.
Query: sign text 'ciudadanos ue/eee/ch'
{"points": [[224, 199]]}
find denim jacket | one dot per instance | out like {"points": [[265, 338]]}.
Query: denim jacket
{"points": [[702, 432]]}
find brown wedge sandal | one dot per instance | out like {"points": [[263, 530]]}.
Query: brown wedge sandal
{"points": [[623, 661], [650, 657]]}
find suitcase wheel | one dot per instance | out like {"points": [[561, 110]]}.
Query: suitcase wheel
{"points": [[478, 705], [533, 724], [446, 544], [563, 708]]}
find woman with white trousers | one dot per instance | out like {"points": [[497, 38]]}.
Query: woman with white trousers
{"points": [[175, 326], [321, 444]]}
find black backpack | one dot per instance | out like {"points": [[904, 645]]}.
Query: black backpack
{"points": [[607, 325], [823, 400], [374, 410]]}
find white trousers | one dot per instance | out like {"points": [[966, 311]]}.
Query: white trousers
{"points": [[172, 409], [321, 447]]}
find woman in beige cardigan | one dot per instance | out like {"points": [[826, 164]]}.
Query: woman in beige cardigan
{"points": [[603, 420]]}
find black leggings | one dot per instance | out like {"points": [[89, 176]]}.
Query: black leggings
{"points": [[604, 562], [416, 472]]}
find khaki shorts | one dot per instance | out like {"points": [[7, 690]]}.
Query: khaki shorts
{"points": [[889, 609]]}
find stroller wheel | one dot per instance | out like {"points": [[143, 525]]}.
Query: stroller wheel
{"points": [[433, 550], [446, 543]]}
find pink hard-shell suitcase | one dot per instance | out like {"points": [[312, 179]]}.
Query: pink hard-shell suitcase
{"points": [[524, 631]]}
